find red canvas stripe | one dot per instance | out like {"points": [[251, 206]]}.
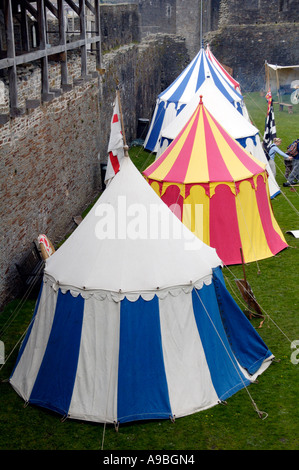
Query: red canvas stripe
{"points": [[245, 159], [217, 168], [174, 200], [224, 227], [274, 240], [179, 169]]}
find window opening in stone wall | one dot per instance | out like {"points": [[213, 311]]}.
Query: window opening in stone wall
{"points": [[168, 11]]}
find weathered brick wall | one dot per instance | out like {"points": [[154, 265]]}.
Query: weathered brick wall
{"points": [[49, 171], [50, 163]]}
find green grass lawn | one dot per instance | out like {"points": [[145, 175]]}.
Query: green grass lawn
{"points": [[234, 426]]}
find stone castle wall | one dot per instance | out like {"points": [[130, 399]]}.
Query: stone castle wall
{"points": [[50, 166], [251, 32]]}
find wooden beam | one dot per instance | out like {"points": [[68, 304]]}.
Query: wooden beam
{"points": [[36, 55], [73, 6], [31, 9], [98, 33], [90, 7], [12, 70], [45, 92], [51, 7], [83, 37], [24, 28], [62, 42]]}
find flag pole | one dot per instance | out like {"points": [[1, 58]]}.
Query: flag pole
{"points": [[122, 122], [201, 41]]}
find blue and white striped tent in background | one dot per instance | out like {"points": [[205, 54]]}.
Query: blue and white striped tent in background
{"points": [[228, 117], [172, 100], [133, 320]]}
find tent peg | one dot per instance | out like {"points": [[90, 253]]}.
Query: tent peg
{"points": [[223, 402]]}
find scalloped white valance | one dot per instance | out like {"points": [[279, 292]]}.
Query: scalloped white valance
{"points": [[100, 294]]}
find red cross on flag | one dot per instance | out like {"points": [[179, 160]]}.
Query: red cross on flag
{"points": [[115, 146]]}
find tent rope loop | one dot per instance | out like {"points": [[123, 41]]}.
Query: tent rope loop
{"points": [[172, 418], [263, 415], [64, 418], [116, 425]]}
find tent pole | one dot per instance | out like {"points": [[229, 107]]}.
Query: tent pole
{"points": [[243, 267], [277, 84], [267, 76], [121, 117], [201, 41]]}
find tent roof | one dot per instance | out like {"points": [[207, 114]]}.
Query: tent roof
{"points": [[188, 82], [123, 246], [226, 114], [221, 69], [282, 67], [204, 152]]}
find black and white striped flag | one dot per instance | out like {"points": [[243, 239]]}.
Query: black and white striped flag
{"points": [[270, 128]]}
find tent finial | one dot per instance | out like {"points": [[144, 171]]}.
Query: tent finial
{"points": [[200, 102]]}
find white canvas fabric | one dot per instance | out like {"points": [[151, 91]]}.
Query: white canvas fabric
{"points": [[24, 376], [184, 357], [139, 252], [98, 363]]}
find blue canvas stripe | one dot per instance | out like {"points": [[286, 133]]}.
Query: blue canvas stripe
{"points": [[248, 347], [225, 374], [221, 87], [275, 194], [29, 329], [54, 383], [142, 384], [201, 73], [179, 90], [157, 126], [173, 84]]}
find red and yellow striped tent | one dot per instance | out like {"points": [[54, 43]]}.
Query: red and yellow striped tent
{"points": [[218, 190]]}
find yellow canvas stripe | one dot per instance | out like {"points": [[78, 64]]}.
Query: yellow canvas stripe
{"points": [[274, 221], [196, 213], [164, 168], [235, 167], [198, 170], [156, 187], [252, 234]]}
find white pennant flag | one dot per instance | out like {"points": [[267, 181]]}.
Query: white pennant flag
{"points": [[115, 146]]}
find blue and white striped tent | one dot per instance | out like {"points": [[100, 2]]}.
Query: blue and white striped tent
{"points": [[135, 324], [172, 100], [228, 117]]}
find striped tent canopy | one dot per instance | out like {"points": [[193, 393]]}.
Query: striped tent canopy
{"points": [[222, 70], [218, 190], [172, 100], [229, 118], [131, 324]]}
